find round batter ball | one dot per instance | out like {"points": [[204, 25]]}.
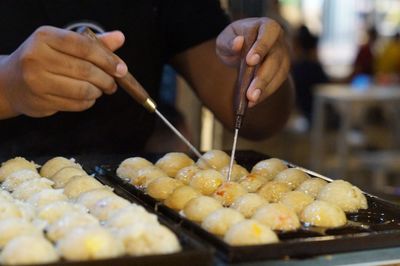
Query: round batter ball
{"points": [[252, 182], [128, 168], [238, 172], [14, 165], [162, 187], [89, 198], [228, 192], [144, 176], [30, 187], [250, 232], [323, 214], [269, 168], [46, 196], [207, 181], [56, 210], [13, 227], [63, 176], [292, 177], [185, 174], [80, 184], [52, 166], [220, 220], [172, 162], [312, 186], [215, 159], [272, 191], [199, 208], [130, 215], [247, 204], [104, 207], [277, 217], [15, 179], [296, 200], [178, 199], [348, 197]]}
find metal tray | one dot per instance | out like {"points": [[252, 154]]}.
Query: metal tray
{"points": [[376, 227], [194, 250]]}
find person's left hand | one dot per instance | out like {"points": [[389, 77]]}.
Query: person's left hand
{"points": [[269, 53]]}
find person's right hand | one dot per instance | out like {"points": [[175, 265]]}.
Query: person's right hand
{"points": [[59, 70]]}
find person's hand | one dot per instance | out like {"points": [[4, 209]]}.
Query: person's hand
{"points": [[58, 70], [268, 52]]}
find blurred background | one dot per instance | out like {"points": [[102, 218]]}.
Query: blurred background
{"points": [[346, 69]]}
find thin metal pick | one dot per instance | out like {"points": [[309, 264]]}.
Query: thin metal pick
{"points": [[233, 153]]}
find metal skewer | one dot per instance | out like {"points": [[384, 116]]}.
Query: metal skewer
{"points": [[135, 89]]}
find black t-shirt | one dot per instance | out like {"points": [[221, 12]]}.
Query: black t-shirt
{"points": [[155, 31]]}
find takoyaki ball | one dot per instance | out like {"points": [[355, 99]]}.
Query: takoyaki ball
{"points": [[104, 207], [14, 165], [199, 208], [13, 227], [292, 176], [248, 203], [252, 182], [88, 243], [250, 232], [130, 215], [228, 192], [27, 250], [269, 168], [144, 176], [52, 166], [15, 179], [272, 191], [312, 186], [148, 239], [67, 223], [90, 197], [185, 174], [348, 197], [62, 177], [128, 168], [28, 211], [162, 187], [5, 196], [178, 199], [219, 221], [172, 162], [80, 184], [238, 172], [46, 196], [30, 187], [323, 214], [277, 217], [296, 200], [56, 210], [207, 181], [214, 159]]}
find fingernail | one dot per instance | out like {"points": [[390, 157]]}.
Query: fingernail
{"points": [[256, 95], [255, 59], [121, 70]]}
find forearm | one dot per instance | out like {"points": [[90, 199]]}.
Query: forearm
{"points": [[6, 110]]}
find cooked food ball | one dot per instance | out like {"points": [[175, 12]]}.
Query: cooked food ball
{"points": [[219, 221], [30, 187], [250, 232], [348, 197], [5, 196], [62, 177], [323, 214], [28, 211], [14, 165], [146, 175], [228, 192], [46, 196], [269, 168], [13, 227], [104, 207], [252, 182], [199, 208], [178, 199], [89, 198], [312, 186], [52, 166], [238, 172], [130, 215], [185, 174], [56, 210], [207, 181], [172, 162], [80, 184], [248, 203], [162, 187], [296, 200], [128, 168], [272, 191], [13, 180], [28, 249], [292, 176], [277, 217], [90, 242], [67, 223], [215, 159], [147, 239]]}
